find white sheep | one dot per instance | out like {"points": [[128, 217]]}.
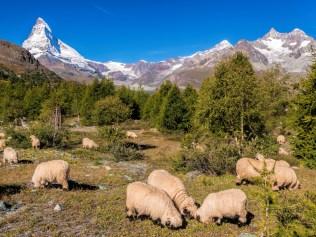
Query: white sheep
{"points": [[283, 152], [284, 177], [230, 203], [248, 169], [145, 200], [87, 143], [51, 172], [130, 134], [35, 142], [174, 187], [10, 156], [2, 135], [2, 144], [281, 139]]}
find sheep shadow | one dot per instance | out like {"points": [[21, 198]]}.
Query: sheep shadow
{"points": [[74, 186], [10, 189], [140, 147], [235, 221], [25, 162]]}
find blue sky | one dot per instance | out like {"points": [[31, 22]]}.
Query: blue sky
{"points": [[128, 31]]}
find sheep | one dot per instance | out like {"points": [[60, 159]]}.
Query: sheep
{"points": [[270, 163], [145, 200], [89, 144], [35, 142], [174, 187], [10, 156], [282, 151], [2, 144], [247, 169], [229, 203], [51, 171], [281, 139], [2, 135], [130, 134], [284, 177]]}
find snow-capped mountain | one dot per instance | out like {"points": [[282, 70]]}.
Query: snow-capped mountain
{"points": [[291, 51]]}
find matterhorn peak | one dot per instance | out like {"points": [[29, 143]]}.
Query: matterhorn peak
{"points": [[41, 22]]}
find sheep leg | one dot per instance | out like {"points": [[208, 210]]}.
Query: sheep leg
{"points": [[65, 185], [238, 180], [219, 221]]}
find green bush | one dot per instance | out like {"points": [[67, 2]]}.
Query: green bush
{"points": [[218, 159], [18, 138], [49, 137], [124, 152], [265, 145], [111, 133]]}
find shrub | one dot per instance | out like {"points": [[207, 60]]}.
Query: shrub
{"points": [[220, 158], [49, 137], [19, 138], [110, 110], [124, 152], [111, 133], [265, 145]]}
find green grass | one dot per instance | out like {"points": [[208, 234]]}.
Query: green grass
{"points": [[102, 212]]}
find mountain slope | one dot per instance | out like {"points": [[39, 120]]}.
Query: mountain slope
{"points": [[290, 51], [18, 60]]}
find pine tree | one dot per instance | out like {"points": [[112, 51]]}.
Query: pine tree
{"points": [[228, 102], [305, 142], [173, 111]]}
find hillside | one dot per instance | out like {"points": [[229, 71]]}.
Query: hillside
{"points": [[15, 59]]}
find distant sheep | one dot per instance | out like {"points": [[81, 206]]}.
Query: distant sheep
{"points": [[284, 177], [130, 134], [2, 144], [35, 142], [2, 135], [230, 203], [174, 187], [10, 156], [283, 152], [145, 200], [51, 172], [281, 139], [89, 144]]}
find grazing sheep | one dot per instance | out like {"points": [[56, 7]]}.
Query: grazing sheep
{"points": [[281, 139], [230, 203], [284, 177], [145, 200], [35, 142], [50, 172], [247, 169], [2, 135], [130, 134], [10, 156], [174, 187], [270, 163], [2, 144], [89, 144], [282, 151]]}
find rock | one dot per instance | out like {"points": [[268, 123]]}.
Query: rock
{"points": [[283, 151], [247, 235], [193, 174], [4, 206], [137, 169], [57, 208], [128, 178], [108, 168]]}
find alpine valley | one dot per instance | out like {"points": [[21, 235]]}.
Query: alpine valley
{"points": [[291, 52]]}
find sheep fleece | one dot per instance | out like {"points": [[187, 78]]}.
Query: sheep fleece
{"points": [[10, 156], [145, 200], [51, 171], [230, 203], [174, 187], [88, 143]]}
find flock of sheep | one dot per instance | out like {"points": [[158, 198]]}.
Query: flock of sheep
{"points": [[164, 198]]}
